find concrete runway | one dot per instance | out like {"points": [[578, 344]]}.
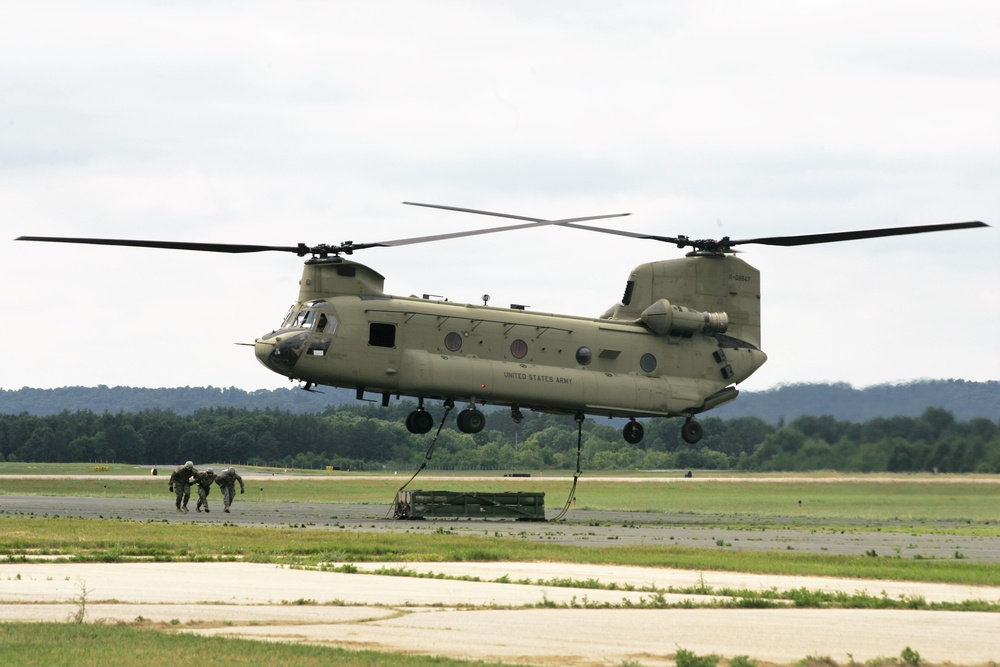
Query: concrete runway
{"points": [[527, 622]]}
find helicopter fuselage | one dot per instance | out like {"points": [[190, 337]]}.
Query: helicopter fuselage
{"points": [[668, 360]]}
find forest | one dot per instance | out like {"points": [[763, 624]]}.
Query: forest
{"points": [[366, 437], [964, 399]]}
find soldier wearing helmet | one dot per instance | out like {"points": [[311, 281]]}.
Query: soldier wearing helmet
{"points": [[204, 481], [227, 482], [180, 483]]}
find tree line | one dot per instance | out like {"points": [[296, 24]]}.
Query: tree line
{"points": [[372, 438], [965, 400]]}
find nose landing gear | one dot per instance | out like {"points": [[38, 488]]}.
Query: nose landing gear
{"points": [[419, 422], [470, 420]]}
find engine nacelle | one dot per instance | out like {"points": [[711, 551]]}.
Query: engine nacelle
{"points": [[666, 319]]}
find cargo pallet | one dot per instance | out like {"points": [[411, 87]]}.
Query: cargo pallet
{"points": [[523, 506]]}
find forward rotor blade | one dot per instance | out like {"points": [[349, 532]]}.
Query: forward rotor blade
{"points": [[323, 250], [834, 237], [169, 245]]}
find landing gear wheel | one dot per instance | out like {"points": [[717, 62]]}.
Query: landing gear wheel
{"points": [[691, 432], [419, 422], [471, 420], [633, 432]]}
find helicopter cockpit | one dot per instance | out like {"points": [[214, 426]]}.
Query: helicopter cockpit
{"points": [[306, 331], [315, 315]]}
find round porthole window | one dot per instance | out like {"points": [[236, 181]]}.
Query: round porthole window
{"points": [[584, 356], [519, 349], [647, 363], [453, 342]]}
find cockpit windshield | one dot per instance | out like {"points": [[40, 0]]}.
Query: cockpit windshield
{"points": [[315, 315]]}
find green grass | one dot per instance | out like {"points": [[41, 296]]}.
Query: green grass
{"points": [[112, 540], [86, 645], [951, 505]]}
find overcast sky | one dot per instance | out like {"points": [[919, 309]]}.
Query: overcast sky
{"points": [[286, 122]]}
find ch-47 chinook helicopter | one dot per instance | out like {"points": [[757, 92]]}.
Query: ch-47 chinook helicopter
{"points": [[685, 333]]}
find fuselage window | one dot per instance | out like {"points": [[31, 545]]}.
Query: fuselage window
{"points": [[382, 335], [519, 349], [647, 363], [453, 342]]}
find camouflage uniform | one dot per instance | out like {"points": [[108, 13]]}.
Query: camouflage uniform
{"points": [[180, 483], [204, 481], [227, 482]]}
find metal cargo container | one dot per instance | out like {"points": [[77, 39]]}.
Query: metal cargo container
{"points": [[523, 506]]}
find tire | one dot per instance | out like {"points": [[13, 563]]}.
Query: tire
{"points": [[691, 432], [419, 422], [633, 433], [471, 420]]}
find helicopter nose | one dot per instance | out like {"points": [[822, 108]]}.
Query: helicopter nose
{"points": [[280, 352]]}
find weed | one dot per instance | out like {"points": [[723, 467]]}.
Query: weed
{"points": [[81, 603], [910, 657], [686, 658]]}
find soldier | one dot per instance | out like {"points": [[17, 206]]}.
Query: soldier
{"points": [[227, 482], [180, 483], [204, 481]]}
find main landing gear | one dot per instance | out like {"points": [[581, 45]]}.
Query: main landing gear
{"points": [[470, 420], [691, 431], [633, 432]]}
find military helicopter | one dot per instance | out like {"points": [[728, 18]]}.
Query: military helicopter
{"points": [[684, 335]]}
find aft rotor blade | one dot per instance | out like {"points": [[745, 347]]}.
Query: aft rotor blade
{"points": [[534, 222], [516, 217], [725, 244], [834, 237], [169, 245], [621, 232]]}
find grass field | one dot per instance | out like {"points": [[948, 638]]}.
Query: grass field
{"points": [[966, 505], [967, 499], [86, 645]]}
